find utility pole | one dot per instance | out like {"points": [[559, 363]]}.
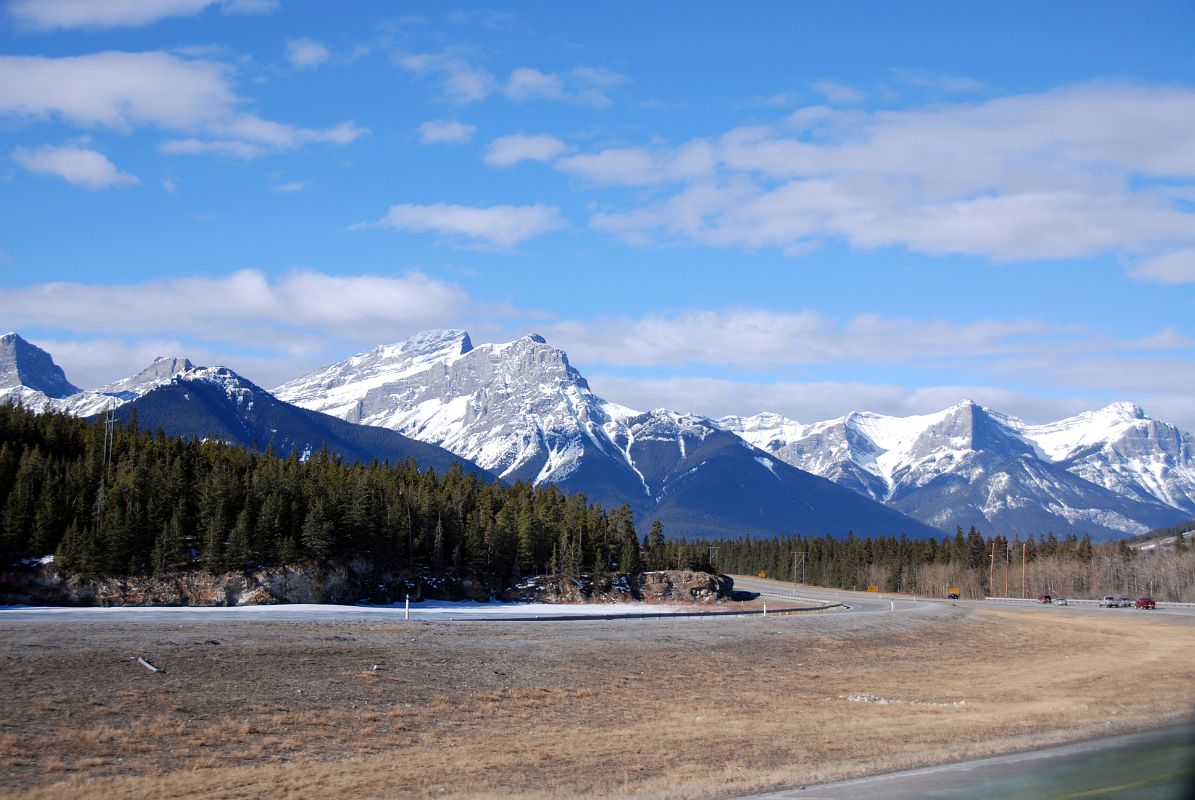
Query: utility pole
{"points": [[799, 563], [713, 555], [1007, 557], [106, 467], [1024, 562], [992, 567]]}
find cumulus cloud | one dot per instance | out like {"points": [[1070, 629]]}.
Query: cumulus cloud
{"points": [[77, 165], [1078, 171], [755, 337], [242, 307], [587, 86], [445, 131], [1076, 368], [306, 53], [638, 166], [837, 92], [459, 81], [49, 15], [814, 401], [494, 226], [506, 151], [124, 91], [1170, 268]]}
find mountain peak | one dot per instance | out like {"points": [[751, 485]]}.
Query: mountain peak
{"points": [[448, 342], [1124, 410], [535, 337], [25, 364]]}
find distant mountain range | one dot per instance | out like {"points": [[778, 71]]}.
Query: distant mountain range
{"points": [[1106, 472], [213, 403], [522, 412]]}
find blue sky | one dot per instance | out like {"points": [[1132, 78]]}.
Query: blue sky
{"points": [[807, 208]]}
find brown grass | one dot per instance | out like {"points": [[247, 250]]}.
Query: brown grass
{"points": [[656, 710]]}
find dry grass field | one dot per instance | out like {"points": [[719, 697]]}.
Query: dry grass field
{"points": [[607, 709]]}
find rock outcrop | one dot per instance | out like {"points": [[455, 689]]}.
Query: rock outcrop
{"points": [[344, 584]]}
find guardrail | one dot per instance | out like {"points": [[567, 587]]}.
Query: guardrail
{"points": [[1078, 602], [763, 612]]}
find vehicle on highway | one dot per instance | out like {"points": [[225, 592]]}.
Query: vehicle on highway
{"points": [[1126, 602], [1109, 601], [953, 593], [1146, 602], [1045, 598], [1059, 601]]}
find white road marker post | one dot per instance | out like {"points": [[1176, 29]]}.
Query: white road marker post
{"points": [[406, 611], [765, 608], [893, 606]]}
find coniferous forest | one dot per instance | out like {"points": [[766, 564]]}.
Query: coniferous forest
{"points": [[161, 504]]}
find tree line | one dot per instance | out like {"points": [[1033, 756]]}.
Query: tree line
{"points": [[172, 504], [979, 566]]}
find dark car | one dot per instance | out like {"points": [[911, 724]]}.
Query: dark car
{"points": [[1045, 598], [1146, 602]]}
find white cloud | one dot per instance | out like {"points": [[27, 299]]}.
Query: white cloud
{"points": [[291, 187], [755, 337], [1061, 174], [588, 86], [526, 84], [459, 80], [77, 165], [814, 401], [124, 91], [506, 151], [463, 82], [950, 84], [496, 226], [1170, 269], [837, 92], [637, 166], [445, 131], [48, 15], [246, 306], [306, 53]]}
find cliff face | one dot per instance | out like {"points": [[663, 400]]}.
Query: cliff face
{"points": [[342, 584], [670, 586]]}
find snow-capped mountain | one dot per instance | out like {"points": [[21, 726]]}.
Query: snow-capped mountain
{"points": [[29, 375], [1120, 448], [217, 403], [520, 410], [174, 395], [1104, 473]]}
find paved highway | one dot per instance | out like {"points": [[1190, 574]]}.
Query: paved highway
{"points": [[1156, 765]]}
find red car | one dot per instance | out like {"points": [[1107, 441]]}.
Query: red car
{"points": [[1045, 598], [1146, 602]]}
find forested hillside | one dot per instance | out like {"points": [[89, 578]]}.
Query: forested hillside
{"points": [[172, 504]]}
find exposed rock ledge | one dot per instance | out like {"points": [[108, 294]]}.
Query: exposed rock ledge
{"points": [[342, 584]]}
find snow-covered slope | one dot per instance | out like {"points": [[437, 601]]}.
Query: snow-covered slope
{"points": [[217, 403], [522, 411], [1105, 473], [28, 375], [1120, 448]]}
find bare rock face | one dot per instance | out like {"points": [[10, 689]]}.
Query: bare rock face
{"points": [[682, 586], [344, 584], [670, 586]]}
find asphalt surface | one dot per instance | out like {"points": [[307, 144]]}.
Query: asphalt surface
{"points": [[1157, 765]]}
